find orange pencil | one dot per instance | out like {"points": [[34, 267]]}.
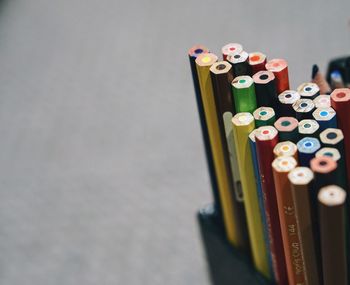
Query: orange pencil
{"points": [[286, 148], [281, 166]]}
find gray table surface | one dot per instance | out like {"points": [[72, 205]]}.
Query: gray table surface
{"points": [[101, 162]]}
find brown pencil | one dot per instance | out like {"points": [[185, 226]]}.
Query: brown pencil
{"points": [[332, 229], [221, 78], [301, 179], [281, 166]]}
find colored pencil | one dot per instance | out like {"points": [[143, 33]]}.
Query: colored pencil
{"points": [[332, 229], [305, 212], [285, 103], [339, 159], [221, 77], [324, 169], [264, 116], [279, 67], [333, 138], [260, 195], [322, 101], [291, 222], [243, 124], [308, 128], [303, 109], [244, 94], [281, 166], [307, 148], [193, 53], [240, 63], [229, 206], [340, 102], [308, 90], [266, 138], [238, 194], [265, 89], [286, 148], [257, 62], [287, 129], [326, 117], [231, 49], [330, 152]]}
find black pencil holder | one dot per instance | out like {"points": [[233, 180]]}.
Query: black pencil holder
{"points": [[226, 265]]}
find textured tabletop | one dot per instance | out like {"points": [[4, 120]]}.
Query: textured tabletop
{"points": [[101, 162]]}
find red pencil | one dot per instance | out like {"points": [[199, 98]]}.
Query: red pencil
{"points": [[266, 138], [340, 102], [231, 49], [279, 67], [257, 61]]}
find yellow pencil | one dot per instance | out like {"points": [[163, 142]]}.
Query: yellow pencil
{"points": [[243, 125], [230, 216]]}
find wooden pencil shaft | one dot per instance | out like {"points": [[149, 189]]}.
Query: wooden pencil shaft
{"points": [[332, 235], [287, 129], [240, 64], [279, 67], [222, 76], [325, 117], [193, 53], [337, 157], [300, 179], [265, 89], [238, 194], [230, 217], [257, 62], [340, 102], [307, 148], [266, 139], [291, 243], [303, 109], [286, 99], [244, 94], [236, 178], [260, 195], [243, 125], [324, 169]]}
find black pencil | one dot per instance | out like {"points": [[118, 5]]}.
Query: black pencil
{"points": [[192, 54]]}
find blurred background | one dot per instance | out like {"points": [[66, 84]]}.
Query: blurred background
{"points": [[102, 167]]}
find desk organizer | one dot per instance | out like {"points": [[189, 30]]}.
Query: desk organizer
{"points": [[226, 265]]}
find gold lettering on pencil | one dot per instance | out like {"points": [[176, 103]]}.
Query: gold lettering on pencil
{"points": [[292, 230], [288, 210], [297, 259]]}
